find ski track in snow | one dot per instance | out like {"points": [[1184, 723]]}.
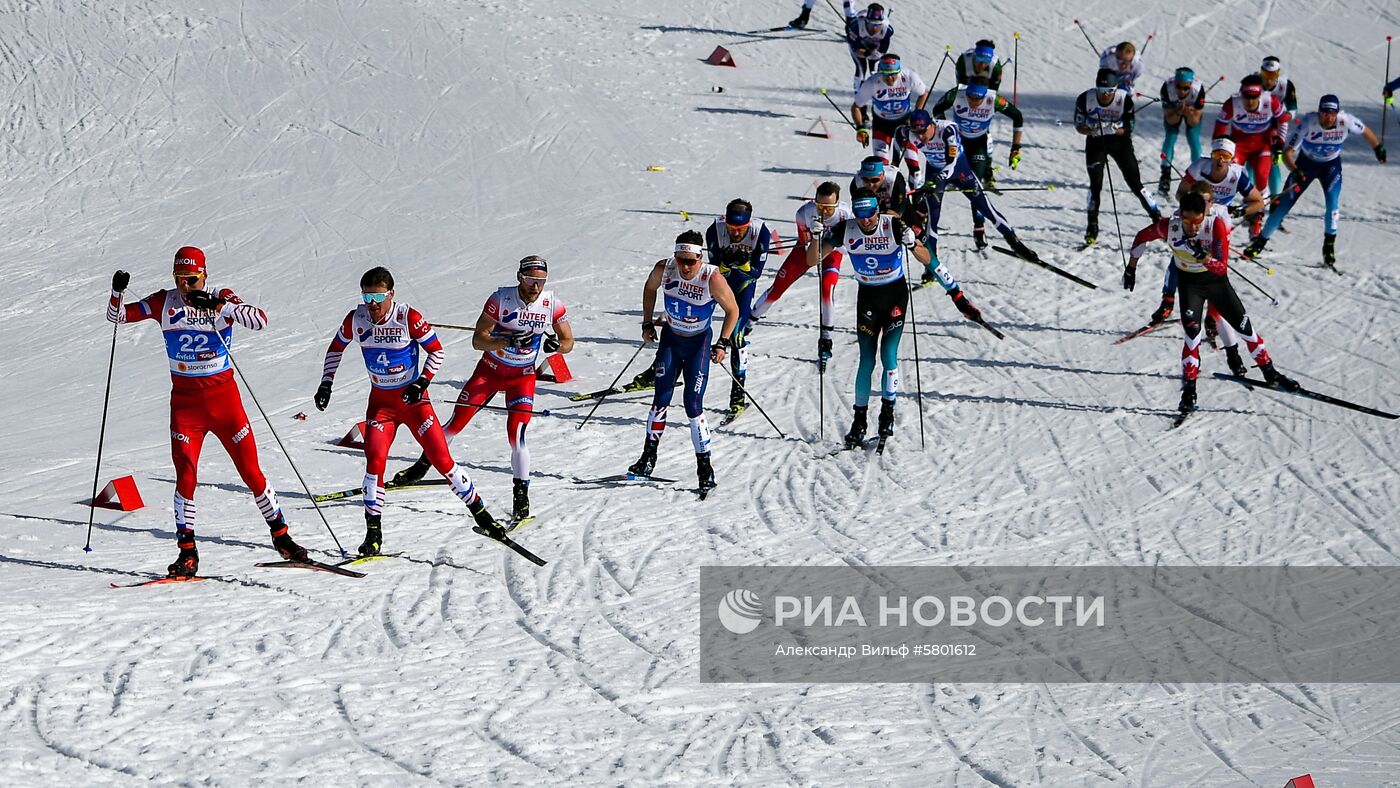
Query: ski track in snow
{"points": [[301, 145]]}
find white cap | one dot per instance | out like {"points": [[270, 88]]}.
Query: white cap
{"points": [[1223, 143], [1271, 64]]}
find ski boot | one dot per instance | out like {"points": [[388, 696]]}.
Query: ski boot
{"points": [[520, 501], [823, 352], [800, 23], [886, 418], [705, 472], [1188, 397], [1255, 248], [1154, 214], [1329, 251], [856, 436], [187, 565], [643, 380], [736, 395], [1091, 233], [1278, 379], [1021, 249], [1164, 183], [413, 473], [644, 466], [1164, 310], [979, 238], [484, 520], [282, 541], [374, 537], [1237, 366]]}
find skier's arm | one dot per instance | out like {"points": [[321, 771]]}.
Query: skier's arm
{"points": [[341, 340], [421, 331], [649, 289], [960, 70], [1222, 120], [484, 337], [944, 103], [759, 257], [563, 329], [1254, 202], [145, 309], [1081, 114], [1155, 231], [906, 237], [994, 81], [1017, 119], [1290, 99], [719, 290], [1129, 119], [245, 315]]}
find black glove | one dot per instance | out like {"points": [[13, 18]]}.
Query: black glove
{"points": [[121, 279], [551, 343], [1380, 154], [203, 299], [722, 343], [523, 340], [965, 306], [323, 395], [1197, 249], [1276, 147], [1237, 210], [414, 391], [1129, 277]]}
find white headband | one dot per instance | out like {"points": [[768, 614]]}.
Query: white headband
{"points": [[691, 248]]}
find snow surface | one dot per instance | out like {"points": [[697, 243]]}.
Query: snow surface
{"points": [[301, 143]]}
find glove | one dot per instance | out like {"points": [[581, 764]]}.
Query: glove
{"points": [[203, 299], [1380, 154], [945, 174], [1237, 211], [1164, 310], [1015, 160], [908, 237], [1216, 266], [551, 343], [1276, 147], [863, 137], [414, 392], [965, 306], [121, 279], [520, 340], [1129, 276], [648, 332], [323, 395], [720, 346], [1197, 249]]}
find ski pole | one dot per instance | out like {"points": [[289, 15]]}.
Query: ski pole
{"points": [[1086, 36], [946, 57], [1015, 67], [252, 395], [914, 328], [1250, 282], [102, 431], [611, 386], [821, 365], [1266, 268], [1386, 105], [1150, 99], [1113, 199], [1146, 43], [1217, 81], [749, 396], [838, 110], [839, 15], [1046, 188]]}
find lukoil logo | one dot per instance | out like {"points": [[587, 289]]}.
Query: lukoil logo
{"points": [[740, 611]]}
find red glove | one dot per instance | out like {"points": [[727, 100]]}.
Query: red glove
{"points": [[1216, 266], [965, 306]]}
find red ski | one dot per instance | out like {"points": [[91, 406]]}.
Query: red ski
{"points": [[160, 581]]}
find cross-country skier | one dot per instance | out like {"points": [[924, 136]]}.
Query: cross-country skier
{"points": [[979, 61], [933, 152], [515, 324], [690, 289], [1125, 63], [739, 245], [1201, 253], [868, 36], [888, 184], [1183, 101], [392, 336], [1274, 81], [892, 95], [813, 218], [196, 322], [875, 243], [1314, 153], [1105, 116], [1258, 123], [974, 107], [1227, 180], [1159, 230]]}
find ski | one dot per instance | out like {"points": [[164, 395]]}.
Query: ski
{"points": [[983, 323], [623, 477], [343, 494], [844, 449], [1302, 392], [364, 559], [512, 544], [316, 566], [162, 581], [880, 445], [627, 389], [703, 492], [515, 524], [1180, 417], [1147, 329], [1047, 266]]}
